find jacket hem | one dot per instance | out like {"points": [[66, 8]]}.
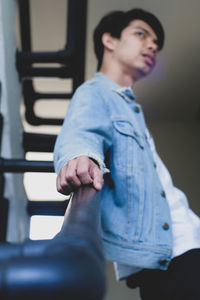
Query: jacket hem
{"points": [[141, 255]]}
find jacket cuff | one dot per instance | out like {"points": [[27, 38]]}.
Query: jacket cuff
{"points": [[91, 155]]}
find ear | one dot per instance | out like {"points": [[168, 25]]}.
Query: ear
{"points": [[108, 41]]}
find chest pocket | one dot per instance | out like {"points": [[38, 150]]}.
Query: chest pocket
{"points": [[128, 144], [126, 128]]}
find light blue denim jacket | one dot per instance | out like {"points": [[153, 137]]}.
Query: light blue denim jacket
{"points": [[105, 123]]}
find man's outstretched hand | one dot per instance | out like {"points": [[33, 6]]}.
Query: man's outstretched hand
{"points": [[79, 171]]}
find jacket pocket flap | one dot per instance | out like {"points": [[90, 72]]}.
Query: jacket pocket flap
{"points": [[126, 128]]}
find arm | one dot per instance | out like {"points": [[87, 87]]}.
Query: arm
{"points": [[85, 136]]}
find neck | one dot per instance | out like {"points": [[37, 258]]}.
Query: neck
{"points": [[121, 76], [118, 76]]}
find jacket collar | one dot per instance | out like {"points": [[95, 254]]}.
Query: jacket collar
{"points": [[126, 92]]}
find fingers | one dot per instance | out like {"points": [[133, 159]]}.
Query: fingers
{"points": [[77, 172], [83, 166], [71, 176], [63, 186], [97, 177]]}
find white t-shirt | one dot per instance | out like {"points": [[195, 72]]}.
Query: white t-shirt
{"points": [[185, 223]]}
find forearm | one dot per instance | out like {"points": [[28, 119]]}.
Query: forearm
{"points": [[86, 131]]}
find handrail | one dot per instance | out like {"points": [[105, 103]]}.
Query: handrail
{"points": [[70, 266], [23, 165]]}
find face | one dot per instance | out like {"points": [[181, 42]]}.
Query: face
{"points": [[135, 51]]}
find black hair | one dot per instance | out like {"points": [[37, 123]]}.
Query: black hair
{"points": [[116, 21]]}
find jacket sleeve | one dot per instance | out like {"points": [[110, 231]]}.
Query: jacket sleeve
{"points": [[86, 130]]}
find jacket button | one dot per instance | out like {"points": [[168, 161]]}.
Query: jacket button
{"points": [[154, 164], [163, 262], [163, 194], [166, 226], [137, 109]]}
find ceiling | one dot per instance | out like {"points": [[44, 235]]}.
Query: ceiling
{"points": [[171, 92]]}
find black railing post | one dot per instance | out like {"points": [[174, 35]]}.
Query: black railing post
{"points": [[70, 266], [71, 58]]}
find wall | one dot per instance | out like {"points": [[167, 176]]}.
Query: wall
{"points": [[12, 129], [179, 146]]}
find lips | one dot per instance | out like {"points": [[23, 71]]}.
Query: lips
{"points": [[149, 59]]}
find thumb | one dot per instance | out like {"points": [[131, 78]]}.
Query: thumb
{"points": [[97, 178]]}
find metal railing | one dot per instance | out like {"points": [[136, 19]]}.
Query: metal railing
{"points": [[23, 165], [70, 266], [71, 58]]}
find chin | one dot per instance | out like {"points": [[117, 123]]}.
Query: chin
{"points": [[142, 74], [145, 71]]}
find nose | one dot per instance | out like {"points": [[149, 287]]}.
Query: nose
{"points": [[152, 45]]}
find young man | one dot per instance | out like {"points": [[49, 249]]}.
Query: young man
{"points": [[147, 227]]}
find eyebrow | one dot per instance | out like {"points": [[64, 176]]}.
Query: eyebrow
{"points": [[146, 31]]}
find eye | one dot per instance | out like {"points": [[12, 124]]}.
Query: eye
{"points": [[140, 34]]}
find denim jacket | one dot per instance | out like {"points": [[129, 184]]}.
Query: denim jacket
{"points": [[104, 122]]}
